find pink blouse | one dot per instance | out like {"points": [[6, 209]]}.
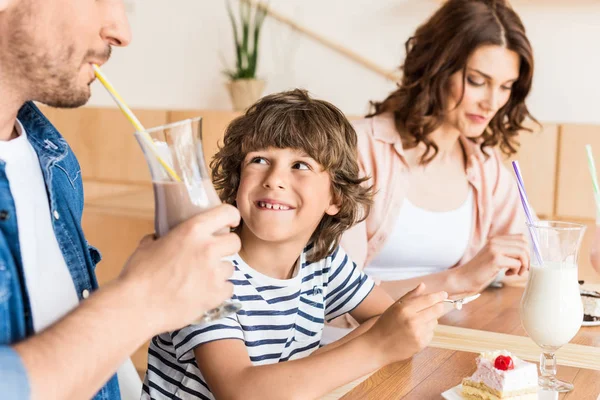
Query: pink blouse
{"points": [[497, 209]]}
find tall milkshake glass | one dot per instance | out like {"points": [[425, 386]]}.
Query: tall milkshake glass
{"points": [[182, 185], [551, 309]]}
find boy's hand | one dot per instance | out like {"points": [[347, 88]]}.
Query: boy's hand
{"points": [[406, 327], [177, 278]]}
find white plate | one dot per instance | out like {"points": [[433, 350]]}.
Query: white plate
{"points": [[455, 394], [590, 323]]}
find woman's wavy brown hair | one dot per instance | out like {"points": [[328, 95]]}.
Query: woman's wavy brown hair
{"points": [[294, 120], [441, 47]]}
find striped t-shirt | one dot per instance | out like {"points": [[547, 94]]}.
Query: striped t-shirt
{"points": [[280, 320]]}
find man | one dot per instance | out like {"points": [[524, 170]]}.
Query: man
{"points": [[57, 341]]}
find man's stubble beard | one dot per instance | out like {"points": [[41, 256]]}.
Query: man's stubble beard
{"points": [[49, 77]]}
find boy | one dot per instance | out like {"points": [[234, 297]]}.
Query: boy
{"points": [[289, 165]]}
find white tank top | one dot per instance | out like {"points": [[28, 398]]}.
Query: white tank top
{"points": [[424, 242]]}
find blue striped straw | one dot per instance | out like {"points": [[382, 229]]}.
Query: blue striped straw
{"points": [[528, 213]]}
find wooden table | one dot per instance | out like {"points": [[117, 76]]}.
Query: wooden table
{"points": [[491, 320]]}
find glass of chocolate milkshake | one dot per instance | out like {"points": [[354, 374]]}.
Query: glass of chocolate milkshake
{"points": [[182, 184]]}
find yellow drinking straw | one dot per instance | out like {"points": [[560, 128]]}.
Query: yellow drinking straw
{"points": [[592, 167], [134, 121]]}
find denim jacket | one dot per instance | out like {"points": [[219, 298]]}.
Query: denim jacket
{"points": [[65, 191]]}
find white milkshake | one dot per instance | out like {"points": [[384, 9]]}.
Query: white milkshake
{"points": [[551, 308]]}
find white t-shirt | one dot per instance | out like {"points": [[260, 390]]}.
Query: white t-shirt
{"points": [[49, 284], [424, 242]]}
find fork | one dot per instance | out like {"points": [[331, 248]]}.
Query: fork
{"points": [[458, 303]]}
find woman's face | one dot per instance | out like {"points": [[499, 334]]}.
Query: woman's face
{"points": [[490, 73]]}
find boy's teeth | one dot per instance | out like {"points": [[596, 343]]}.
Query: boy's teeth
{"points": [[270, 206]]}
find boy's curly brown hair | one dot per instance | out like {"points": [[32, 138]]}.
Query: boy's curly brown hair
{"points": [[294, 120]]}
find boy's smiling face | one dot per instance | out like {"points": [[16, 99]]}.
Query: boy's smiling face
{"points": [[283, 195]]}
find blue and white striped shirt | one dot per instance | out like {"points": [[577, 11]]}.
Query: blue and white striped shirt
{"points": [[280, 320]]}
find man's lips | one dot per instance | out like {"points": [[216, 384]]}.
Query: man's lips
{"points": [[97, 62], [91, 63]]}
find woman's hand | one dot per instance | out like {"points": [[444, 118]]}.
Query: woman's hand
{"points": [[510, 252]]}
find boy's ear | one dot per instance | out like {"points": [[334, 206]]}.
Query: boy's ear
{"points": [[335, 204]]}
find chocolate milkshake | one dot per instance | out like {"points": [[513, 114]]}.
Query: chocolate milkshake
{"points": [[175, 203], [173, 153]]}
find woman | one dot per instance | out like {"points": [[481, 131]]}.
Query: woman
{"points": [[447, 212]]}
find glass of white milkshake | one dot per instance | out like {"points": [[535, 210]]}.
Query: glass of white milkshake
{"points": [[551, 308]]}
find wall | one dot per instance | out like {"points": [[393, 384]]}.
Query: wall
{"points": [[180, 48]]}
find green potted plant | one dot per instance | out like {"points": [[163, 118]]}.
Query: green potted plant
{"points": [[244, 87]]}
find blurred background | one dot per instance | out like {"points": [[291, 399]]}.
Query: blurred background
{"points": [[181, 47]]}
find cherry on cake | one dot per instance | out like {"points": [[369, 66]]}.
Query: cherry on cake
{"points": [[501, 375]]}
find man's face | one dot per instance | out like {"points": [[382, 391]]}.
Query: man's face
{"points": [[47, 46]]}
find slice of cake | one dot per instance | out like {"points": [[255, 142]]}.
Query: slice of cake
{"points": [[500, 375], [591, 305]]}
